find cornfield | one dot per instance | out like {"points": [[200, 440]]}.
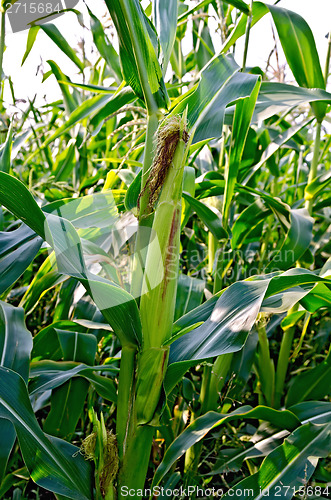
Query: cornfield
{"points": [[165, 259]]}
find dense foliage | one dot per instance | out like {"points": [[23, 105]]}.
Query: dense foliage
{"points": [[165, 264]]}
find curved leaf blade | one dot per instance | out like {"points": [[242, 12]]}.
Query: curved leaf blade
{"points": [[138, 51], [228, 326], [297, 240], [52, 467], [290, 465], [202, 425], [211, 218], [18, 248], [300, 51]]}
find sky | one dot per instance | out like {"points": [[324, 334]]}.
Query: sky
{"points": [[27, 79]]}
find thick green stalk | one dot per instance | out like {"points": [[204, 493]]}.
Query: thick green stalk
{"points": [[134, 440]]}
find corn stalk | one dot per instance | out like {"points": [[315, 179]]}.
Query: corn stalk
{"points": [[142, 372]]}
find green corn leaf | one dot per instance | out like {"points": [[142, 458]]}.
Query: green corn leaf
{"points": [[138, 51], [69, 99], [33, 32], [297, 240], [18, 248], [20, 139], [288, 288], [52, 463], [312, 384], [88, 107], [199, 5], [202, 42], [258, 11], [300, 51], [202, 425], [247, 222], [18, 200], [189, 294], [228, 326], [46, 344], [165, 22], [55, 35], [220, 84], [278, 284], [97, 89], [122, 97], [274, 98], [97, 210], [318, 185], [15, 349], [319, 297], [49, 375], [289, 466], [232, 459], [132, 193], [62, 418], [65, 163], [316, 412], [43, 281], [241, 122], [8, 437], [15, 340], [105, 48], [293, 278], [61, 421], [274, 146], [240, 5], [11, 479], [117, 305], [229, 315]]}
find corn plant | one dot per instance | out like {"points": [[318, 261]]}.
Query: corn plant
{"points": [[165, 264]]}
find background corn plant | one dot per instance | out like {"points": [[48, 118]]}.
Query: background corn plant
{"points": [[217, 373]]}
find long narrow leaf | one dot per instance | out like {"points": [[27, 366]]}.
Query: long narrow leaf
{"points": [[201, 426], [54, 465]]}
